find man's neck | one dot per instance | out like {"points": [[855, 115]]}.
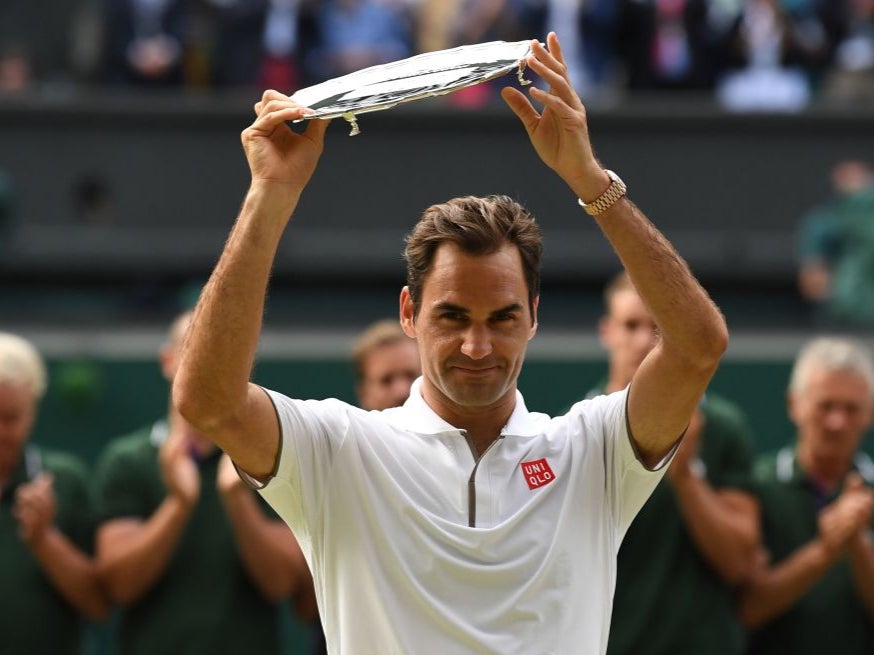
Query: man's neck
{"points": [[482, 424], [828, 475]]}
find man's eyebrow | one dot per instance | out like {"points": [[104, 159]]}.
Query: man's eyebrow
{"points": [[450, 307], [509, 309]]}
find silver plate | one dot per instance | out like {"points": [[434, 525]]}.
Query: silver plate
{"points": [[423, 76]]}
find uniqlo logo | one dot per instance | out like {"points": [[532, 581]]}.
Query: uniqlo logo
{"points": [[537, 473]]}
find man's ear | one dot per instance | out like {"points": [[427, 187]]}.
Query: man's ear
{"points": [[534, 307], [408, 311]]}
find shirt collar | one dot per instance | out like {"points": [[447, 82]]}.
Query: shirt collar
{"points": [[788, 469], [417, 416], [28, 467]]}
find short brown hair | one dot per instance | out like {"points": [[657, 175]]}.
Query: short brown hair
{"points": [[386, 332], [479, 226]]}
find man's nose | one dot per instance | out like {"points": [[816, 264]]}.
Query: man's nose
{"points": [[836, 419], [477, 342]]}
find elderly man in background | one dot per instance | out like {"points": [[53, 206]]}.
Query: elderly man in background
{"points": [[48, 580], [814, 590]]}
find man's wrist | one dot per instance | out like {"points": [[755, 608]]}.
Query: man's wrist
{"points": [[272, 195], [37, 541], [592, 184], [614, 192]]}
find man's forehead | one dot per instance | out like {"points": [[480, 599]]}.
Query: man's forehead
{"points": [[824, 381], [453, 266]]}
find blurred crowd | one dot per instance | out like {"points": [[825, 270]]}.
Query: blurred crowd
{"points": [[749, 54]]}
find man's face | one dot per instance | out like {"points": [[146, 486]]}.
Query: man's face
{"points": [[17, 414], [832, 412], [627, 331], [473, 326], [389, 371]]}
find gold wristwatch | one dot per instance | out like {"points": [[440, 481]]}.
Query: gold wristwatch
{"points": [[606, 200]]}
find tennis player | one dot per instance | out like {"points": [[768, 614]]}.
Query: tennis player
{"points": [[459, 522]]}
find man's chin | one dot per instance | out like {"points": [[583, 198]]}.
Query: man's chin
{"points": [[474, 395]]}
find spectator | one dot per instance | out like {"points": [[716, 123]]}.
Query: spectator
{"points": [[836, 248], [145, 42], [814, 589], [386, 364], [851, 80], [48, 579], [355, 34], [774, 55], [196, 561], [668, 44], [237, 48], [695, 539]]}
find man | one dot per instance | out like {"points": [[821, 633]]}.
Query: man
{"points": [[836, 248], [386, 363], [188, 552], [695, 539], [816, 594], [459, 522], [48, 580]]}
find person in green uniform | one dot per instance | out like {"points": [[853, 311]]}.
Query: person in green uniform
{"points": [[48, 579], [836, 248], [696, 537], [197, 562], [813, 591]]}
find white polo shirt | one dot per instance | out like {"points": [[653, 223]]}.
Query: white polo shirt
{"points": [[416, 548]]}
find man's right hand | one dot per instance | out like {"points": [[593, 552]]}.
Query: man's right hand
{"points": [[847, 516], [277, 155], [179, 470]]}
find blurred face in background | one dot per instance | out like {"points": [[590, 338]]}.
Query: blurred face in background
{"points": [[17, 415], [832, 410], [388, 372], [627, 332]]}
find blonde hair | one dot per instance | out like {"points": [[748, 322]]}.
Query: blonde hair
{"points": [[832, 354], [21, 364]]}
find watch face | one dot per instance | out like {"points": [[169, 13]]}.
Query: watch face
{"points": [[422, 76]]}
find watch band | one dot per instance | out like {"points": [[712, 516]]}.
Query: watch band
{"points": [[606, 200]]}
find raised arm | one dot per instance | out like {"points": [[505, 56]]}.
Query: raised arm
{"points": [[668, 385], [212, 388]]}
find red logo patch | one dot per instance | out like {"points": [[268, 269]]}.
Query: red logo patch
{"points": [[537, 473]]}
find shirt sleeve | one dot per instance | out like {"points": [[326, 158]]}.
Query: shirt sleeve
{"points": [[312, 432], [629, 482]]}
